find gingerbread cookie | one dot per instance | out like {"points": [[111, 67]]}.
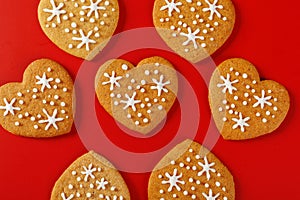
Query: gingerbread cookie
{"points": [[190, 171], [242, 105], [40, 106], [90, 177], [79, 27], [194, 29], [138, 97]]}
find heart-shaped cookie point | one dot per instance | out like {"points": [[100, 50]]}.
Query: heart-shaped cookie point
{"points": [[190, 171], [90, 177], [194, 29], [242, 105], [137, 97], [79, 27], [40, 106]]}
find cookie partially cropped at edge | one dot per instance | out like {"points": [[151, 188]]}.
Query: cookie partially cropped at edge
{"points": [[190, 171], [90, 177], [138, 97], [242, 105], [79, 27], [194, 29], [40, 106]]}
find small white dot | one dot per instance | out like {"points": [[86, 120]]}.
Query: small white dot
{"points": [[63, 104], [237, 74], [17, 123], [147, 72], [35, 126], [245, 76], [160, 107], [56, 97], [124, 67], [57, 80], [245, 103], [70, 186], [65, 89], [51, 103], [258, 114], [268, 113], [74, 25], [275, 109], [32, 119], [264, 120], [218, 184], [236, 98]]}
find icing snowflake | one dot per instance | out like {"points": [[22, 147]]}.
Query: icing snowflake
{"points": [[63, 196], [262, 100], [212, 9], [207, 167], [101, 184], [56, 11], [44, 81], [51, 119], [85, 40], [210, 195], [160, 85], [241, 122], [9, 108], [191, 37], [112, 80], [228, 85], [130, 102], [94, 8], [173, 180], [88, 172], [171, 6]]}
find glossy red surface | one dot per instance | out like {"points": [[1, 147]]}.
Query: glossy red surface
{"points": [[266, 33]]}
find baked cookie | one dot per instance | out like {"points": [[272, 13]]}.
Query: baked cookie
{"points": [[194, 29], [40, 106], [190, 171], [90, 177], [138, 97], [244, 107], [79, 27]]}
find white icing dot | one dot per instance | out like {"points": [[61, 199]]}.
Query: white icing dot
{"points": [[198, 182], [161, 20], [191, 180], [197, 157], [71, 15], [185, 193], [55, 87], [245, 103], [32, 119], [224, 102], [53, 25], [188, 159], [149, 111], [268, 113], [246, 94], [70, 46], [172, 162], [181, 165], [57, 80], [193, 188], [70, 186], [225, 198], [124, 67], [82, 12], [236, 98], [92, 20], [112, 95], [147, 72], [206, 185], [147, 99], [102, 23], [258, 114], [220, 109], [216, 24], [92, 185], [17, 123], [264, 120], [129, 116], [160, 107], [78, 194], [51, 103], [143, 82], [275, 99], [74, 25], [137, 122], [218, 175], [194, 22], [232, 106], [161, 191], [19, 94], [254, 82], [231, 112], [26, 114], [116, 103], [34, 96], [119, 96], [35, 90], [174, 195], [20, 116], [245, 76], [224, 189], [224, 119], [191, 150], [63, 104], [253, 90], [74, 32], [269, 91], [106, 3], [21, 102], [149, 104], [129, 87], [139, 115], [156, 64], [88, 195], [65, 17], [224, 18], [155, 100], [227, 107], [65, 89], [248, 87], [156, 71], [275, 108], [35, 126], [218, 184], [237, 73], [160, 176], [73, 173], [56, 97], [142, 105]]}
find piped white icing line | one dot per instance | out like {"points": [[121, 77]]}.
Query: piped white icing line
{"points": [[171, 6], [84, 40], [160, 85], [173, 180], [51, 119], [130, 102], [94, 7], [8, 107], [210, 195], [55, 11], [44, 81], [191, 37], [113, 80], [88, 172], [212, 9], [206, 168], [228, 85], [262, 100]]}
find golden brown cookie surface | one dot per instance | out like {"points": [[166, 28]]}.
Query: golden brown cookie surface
{"points": [[79, 27], [40, 106], [194, 29], [190, 171], [90, 177], [138, 97], [242, 105]]}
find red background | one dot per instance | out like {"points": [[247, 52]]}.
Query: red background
{"points": [[266, 33]]}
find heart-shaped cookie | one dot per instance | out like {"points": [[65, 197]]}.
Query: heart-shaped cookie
{"points": [[190, 171], [138, 97], [90, 177], [40, 106], [194, 29], [244, 107], [79, 27]]}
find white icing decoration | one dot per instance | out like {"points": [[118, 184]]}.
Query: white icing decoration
{"points": [[56, 11], [173, 180], [262, 100], [112, 80], [160, 85], [191, 37], [212, 9], [210, 195], [171, 6], [51, 119], [228, 84], [206, 168], [63, 196], [130, 102], [94, 8], [44, 81], [241, 122], [88, 172], [9, 108], [101, 184], [85, 40]]}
